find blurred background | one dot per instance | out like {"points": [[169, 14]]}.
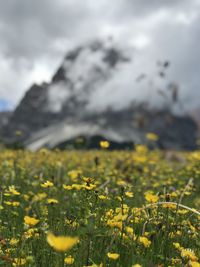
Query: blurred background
{"points": [[74, 73]]}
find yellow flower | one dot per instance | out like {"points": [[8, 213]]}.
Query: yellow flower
{"points": [[61, 243], [113, 256], [141, 149], [88, 180], [47, 184], [152, 137], [144, 241], [129, 230], [104, 144], [102, 197], [67, 187], [182, 212], [177, 245], [151, 197], [169, 205], [77, 186], [113, 223], [13, 191], [69, 260], [71, 223], [26, 197], [52, 201], [188, 254], [193, 264], [19, 262], [32, 232], [39, 197], [13, 241], [74, 174], [30, 220], [129, 194], [136, 265], [89, 187], [12, 203]]}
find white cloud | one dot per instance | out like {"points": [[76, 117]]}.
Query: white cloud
{"points": [[35, 36]]}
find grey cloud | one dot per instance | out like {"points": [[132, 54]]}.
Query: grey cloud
{"points": [[36, 34], [143, 7], [30, 27]]}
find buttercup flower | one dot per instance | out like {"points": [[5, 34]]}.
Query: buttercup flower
{"points": [[61, 243], [113, 256], [30, 220]]}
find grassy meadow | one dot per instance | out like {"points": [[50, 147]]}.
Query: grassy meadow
{"points": [[99, 208]]}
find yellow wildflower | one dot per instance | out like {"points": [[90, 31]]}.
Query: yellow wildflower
{"points": [[169, 205], [102, 197], [47, 184], [32, 232], [151, 197], [12, 203], [188, 254], [77, 186], [52, 201], [39, 197], [144, 241], [89, 187], [113, 256], [14, 241], [129, 194], [74, 174], [113, 223], [30, 220], [67, 187], [129, 230], [61, 243], [193, 264], [152, 137], [69, 260], [177, 245], [104, 144], [19, 262], [13, 190]]}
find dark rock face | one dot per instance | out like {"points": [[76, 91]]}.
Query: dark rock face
{"points": [[59, 76], [4, 118], [29, 116], [112, 57], [179, 133], [35, 116], [174, 132]]}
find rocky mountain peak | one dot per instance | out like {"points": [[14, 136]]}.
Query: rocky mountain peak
{"points": [[94, 88]]}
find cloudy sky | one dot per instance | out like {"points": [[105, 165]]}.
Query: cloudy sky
{"points": [[35, 35]]}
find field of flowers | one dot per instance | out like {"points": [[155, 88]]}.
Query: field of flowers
{"points": [[99, 208]]}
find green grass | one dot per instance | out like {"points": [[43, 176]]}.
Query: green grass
{"points": [[108, 201]]}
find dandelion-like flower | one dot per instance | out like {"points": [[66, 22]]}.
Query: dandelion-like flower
{"points": [[113, 256], [47, 184], [69, 260], [30, 220], [61, 243]]}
